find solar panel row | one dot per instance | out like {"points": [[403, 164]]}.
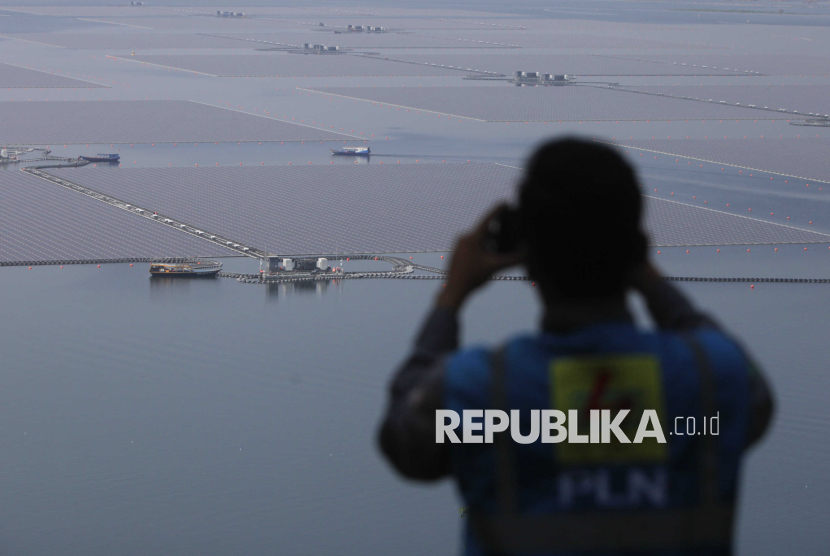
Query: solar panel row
{"points": [[670, 223], [507, 62], [804, 99], [573, 103], [142, 121], [16, 77], [805, 158], [373, 208], [40, 221], [292, 65]]}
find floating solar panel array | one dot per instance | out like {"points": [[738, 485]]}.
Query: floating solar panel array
{"points": [[90, 11], [209, 23], [803, 99], [15, 22], [546, 39], [543, 24], [670, 223], [803, 158], [524, 104], [409, 12], [374, 208], [40, 221], [16, 77], [768, 64], [142, 121], [411, 24], [303, 12], [317, 209], [358, 40], [292, 65], [129, 40], [507, 62]]}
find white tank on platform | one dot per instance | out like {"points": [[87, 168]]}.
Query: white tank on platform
{"points": [[288, 264], [322, 263]]}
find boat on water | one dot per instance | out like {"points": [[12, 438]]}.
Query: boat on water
{"points": [[352, 151], [102, 158], [195, 269]]}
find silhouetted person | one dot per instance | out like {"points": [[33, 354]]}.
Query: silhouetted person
{"points": [[580, 239]]}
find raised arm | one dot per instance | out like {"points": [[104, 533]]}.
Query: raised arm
{"points": [[671, 310]]}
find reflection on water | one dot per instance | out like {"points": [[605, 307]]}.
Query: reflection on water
{"points": [[275, 290], [352, 159], [163, 283], [164, 288]]}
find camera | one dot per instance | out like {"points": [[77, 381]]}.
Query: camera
{"points": [[503, 233]]}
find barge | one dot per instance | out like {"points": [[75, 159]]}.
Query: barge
{"points": [[102, 158], [193, 269]]}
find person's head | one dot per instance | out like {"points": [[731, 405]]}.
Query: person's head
{"points": [[579, 208]]}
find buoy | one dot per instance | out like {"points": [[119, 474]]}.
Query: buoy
{"points": [[131, 264], [752, 287], [99, 266], [62, 266], [442, 256], [718, 250]]}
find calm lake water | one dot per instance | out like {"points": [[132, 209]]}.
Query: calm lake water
{"points": [[213, 417]]}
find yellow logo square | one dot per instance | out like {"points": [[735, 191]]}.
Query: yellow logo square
{"points": [[612, 382]]}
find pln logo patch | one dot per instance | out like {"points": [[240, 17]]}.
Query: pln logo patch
{"points": [[611, 383]]}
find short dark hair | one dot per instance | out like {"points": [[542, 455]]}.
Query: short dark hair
{"points": [[580, 207]]}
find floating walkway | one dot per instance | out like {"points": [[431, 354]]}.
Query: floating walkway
{"points": [[45, 156], [756, 280]]}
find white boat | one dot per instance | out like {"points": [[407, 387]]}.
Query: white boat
{"points": [[352, 151]]}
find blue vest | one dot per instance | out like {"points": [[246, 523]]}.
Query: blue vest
{"points": [[672, 498]]}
